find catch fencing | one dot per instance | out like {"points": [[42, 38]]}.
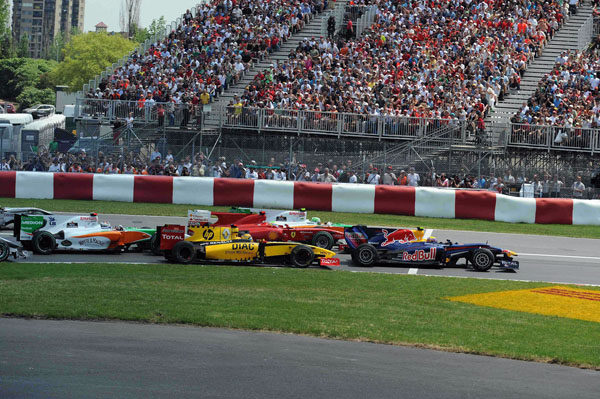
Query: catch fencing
{"points": [[554, 137]]}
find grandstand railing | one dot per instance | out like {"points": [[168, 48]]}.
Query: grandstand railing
{"points": [[554, 137], [338, 13], [366, 20], [112, 110], [585, 33], [334, 123]]}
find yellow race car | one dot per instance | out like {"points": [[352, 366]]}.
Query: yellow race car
{"points": [[220, 244]]}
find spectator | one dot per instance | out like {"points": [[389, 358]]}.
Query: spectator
{"points": [[578, 188], [413, 178]]}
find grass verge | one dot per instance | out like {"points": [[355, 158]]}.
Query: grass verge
{"points": [[348, 218], [396, 309]]}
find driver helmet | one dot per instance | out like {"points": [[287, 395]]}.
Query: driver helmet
{"points": [[104, 225], [315, 219]]}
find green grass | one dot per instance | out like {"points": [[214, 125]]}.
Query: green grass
{"points": [[348, 218], [395, 309]]}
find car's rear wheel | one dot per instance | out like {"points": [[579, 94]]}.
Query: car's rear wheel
{"points": [[323, 240], [43, 242], [4, 251], [183, 252], [365, 255], [155, 245], [302, 256], [482, 259]]}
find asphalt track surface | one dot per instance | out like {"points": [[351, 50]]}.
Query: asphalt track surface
{"points": [[71, 359], [542, 258]]}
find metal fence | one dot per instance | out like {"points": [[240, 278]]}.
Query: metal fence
{"points": [[554, 137], [366, 19], [175, 115], [585, 33], [333, 123]]}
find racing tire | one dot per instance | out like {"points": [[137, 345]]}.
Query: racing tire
{"points": [[482, 259], [43, 242], [4, 251], [323, 240], [183, 252], [302, 256], [155, 245], [365, 255]]}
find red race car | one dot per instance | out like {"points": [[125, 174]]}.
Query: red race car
{"points": [[255, 224]]}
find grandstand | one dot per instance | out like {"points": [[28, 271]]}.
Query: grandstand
{"points": [[396, 94]]}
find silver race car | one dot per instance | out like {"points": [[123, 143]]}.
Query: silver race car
{"points": [[7, 215], [10, 248]]}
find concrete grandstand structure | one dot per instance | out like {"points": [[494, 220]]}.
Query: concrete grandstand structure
{"points": [[441, 142]]}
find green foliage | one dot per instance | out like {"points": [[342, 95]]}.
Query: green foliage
{"points": [[4, 18], [157, 27], [19, 74], [55, 51], [87, 55], [7, 49], [32, 95], [23, 47]]}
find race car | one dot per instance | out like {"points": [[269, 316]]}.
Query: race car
{"points": [[260, 229], [372, 245], [219, 244], [9, 248], [7, 215], [47, 233]]}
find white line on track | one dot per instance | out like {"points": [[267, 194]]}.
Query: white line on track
{"points": [[413, 271], [561, 256]]}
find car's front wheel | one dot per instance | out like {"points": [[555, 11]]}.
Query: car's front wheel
{"points": [[302, 256], [482, 259], [43, 242], [365, 255]]}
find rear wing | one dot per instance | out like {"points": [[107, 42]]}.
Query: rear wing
{"points": [[24, 226]]}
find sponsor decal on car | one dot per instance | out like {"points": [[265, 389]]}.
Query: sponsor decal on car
{"points": [[170, 234], [419, 255], [51, 221], [94, 242], [225, 234], [66, 243], [72, 225], [355, 238], [247, 246], [29, 224], [329, 262], [401, 236]]}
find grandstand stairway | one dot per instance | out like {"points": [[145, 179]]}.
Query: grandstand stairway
{"points": [[312, 29], [565, 39]]}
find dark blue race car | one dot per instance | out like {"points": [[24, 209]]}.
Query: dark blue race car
{"points": [[371, 245]]}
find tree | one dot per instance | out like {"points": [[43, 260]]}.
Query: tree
{"points": [[17, 75], [23, 47], [55, 51], [157, 27], [32, 96], [4, 16], [130, 16], [87, 55]]}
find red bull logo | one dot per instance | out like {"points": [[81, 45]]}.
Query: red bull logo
{"points": [[401, 236], [419, 256]]}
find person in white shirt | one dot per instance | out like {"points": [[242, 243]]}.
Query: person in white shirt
{"points": [[352, 178], [578, 188], [373, 177], [55, 167], [251, 174], [413, 178]]}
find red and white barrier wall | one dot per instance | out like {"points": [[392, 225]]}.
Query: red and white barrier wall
{"points": [[421, 201]]}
